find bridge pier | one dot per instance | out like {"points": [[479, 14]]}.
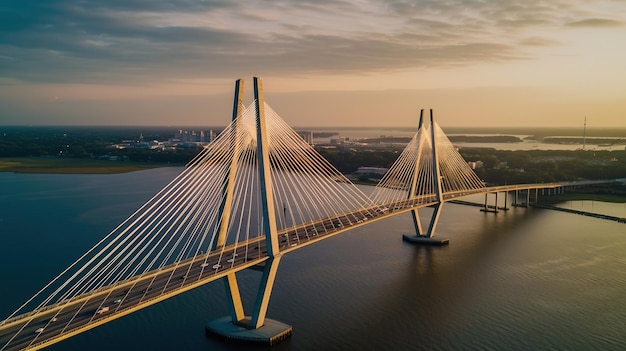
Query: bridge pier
{"points": [[254, 328], [516, 201], [495, 208], [536, 197], [271, 333], [427, 238], [487, 207], [506, 201], [525, 204]]}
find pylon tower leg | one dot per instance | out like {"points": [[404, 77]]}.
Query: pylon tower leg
{"points": [[434, 220], [426, 238], [264, 292], [255, 328], [417, 223], [234, 298]]}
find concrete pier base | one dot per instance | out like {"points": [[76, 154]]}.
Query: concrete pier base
{"points": [[424, 240], [271, 333]]}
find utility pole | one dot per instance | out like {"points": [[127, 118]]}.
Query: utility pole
{"points": [[585, 132]]}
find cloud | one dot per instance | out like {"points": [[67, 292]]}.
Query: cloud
{"points": [[540, 42], [596, 23], [140, 42]]}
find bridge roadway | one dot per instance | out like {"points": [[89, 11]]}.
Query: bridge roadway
{"points": [[53, 323]]}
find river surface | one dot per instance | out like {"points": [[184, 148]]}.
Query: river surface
{"points": [[524, 279]]}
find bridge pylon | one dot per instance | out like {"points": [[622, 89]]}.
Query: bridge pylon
{"points": [[428, 172], [255, 327], [426, 237]]}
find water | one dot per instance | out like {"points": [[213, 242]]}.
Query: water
{"points": [[607, 208], [521, 279], [522, 133]]}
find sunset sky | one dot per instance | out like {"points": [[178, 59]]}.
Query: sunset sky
{"points": [[323, 63]]}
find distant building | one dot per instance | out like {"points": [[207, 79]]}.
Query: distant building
{"points": [[307, 136], [192, 136], [475, 164], [339, 140]]}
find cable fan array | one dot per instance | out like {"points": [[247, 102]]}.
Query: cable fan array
{"points": [[185, 218], [306, 186], [411, 179], [457, 177]]}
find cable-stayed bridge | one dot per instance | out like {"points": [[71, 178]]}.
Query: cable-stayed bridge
{"points": [[255, 193]]}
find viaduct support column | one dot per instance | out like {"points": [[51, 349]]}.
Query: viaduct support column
{"points": [[506, 201], [487, 208], [536, 195]]}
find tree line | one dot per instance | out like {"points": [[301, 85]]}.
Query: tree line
{"points": [[498, 166]]}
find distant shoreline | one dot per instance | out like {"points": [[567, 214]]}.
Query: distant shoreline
{"points": [[41, 165], [590, 195], [37, 165]]}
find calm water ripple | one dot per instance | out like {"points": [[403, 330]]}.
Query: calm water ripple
{"points": [[521, 279]]}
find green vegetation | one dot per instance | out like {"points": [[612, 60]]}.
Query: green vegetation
{"points": [[349, 160], [504, 166], [543, 166], [386, 139], [453, 138], [85, 149], [484, 139], [89, 150], [579, 141], [76, 142], [71, 165]]}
